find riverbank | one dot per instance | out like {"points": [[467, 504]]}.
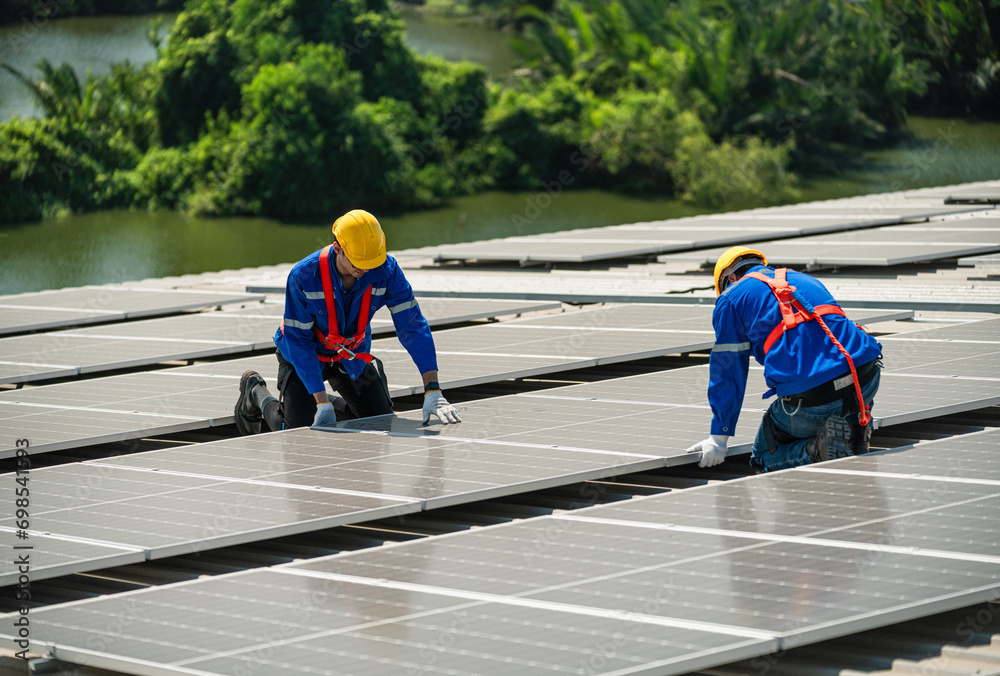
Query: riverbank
{"points": [[116, 246]]}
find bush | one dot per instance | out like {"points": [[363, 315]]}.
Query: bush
{"points": [[635, 136], [729, 174], [540, 130], [49, 165]]}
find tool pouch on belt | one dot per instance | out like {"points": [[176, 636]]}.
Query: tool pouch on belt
{"points": [[772, 435]]}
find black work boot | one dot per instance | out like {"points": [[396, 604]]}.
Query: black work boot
{"points": [[860, 438], [253, 397], [833, 440]]}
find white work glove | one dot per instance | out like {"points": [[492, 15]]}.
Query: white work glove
{"points": [[325, 416], [436, 404], [713, 450]]}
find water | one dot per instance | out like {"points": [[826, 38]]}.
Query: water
{"points": [[457, 41], [116, 246], [85, 42], [96, 42]]}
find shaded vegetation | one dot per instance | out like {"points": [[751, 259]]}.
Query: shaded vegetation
{"points": [[302, 108], [38, 11]]}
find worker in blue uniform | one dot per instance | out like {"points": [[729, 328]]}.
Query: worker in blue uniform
{"points": [[330, 297], [823, 367]]}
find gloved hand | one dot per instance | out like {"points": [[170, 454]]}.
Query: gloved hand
{"points": [[436, 404], [713, 450], [325, 416]]}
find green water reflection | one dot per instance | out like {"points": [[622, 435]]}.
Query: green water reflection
{"points": [[84, 42]]}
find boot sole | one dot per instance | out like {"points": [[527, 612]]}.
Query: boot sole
{"points": [[838, 438], [242, 421]]}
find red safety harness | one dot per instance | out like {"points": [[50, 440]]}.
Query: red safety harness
{"points": [[344, 347], [795, 310]]}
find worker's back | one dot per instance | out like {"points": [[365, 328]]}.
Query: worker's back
{"points": [[804, 356]]}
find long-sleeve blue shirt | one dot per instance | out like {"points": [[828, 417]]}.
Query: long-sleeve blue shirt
{"points": [[305, 308], [804, 357]]}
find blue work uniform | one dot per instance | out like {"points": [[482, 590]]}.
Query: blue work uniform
{"points": [[305, 309], [803, 358]]}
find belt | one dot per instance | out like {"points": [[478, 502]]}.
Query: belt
{"points": [[832, 390]]}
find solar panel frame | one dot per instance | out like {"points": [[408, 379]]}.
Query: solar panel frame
{"points": [[104, 304], [54, 556]]}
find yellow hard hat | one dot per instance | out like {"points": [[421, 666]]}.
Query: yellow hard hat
{"points": [[361, 238], [723, 266]]}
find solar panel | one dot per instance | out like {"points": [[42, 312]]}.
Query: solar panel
{"points": [[872, 208], [70, 415], [892, 245], [985, 331], [733, 569], [966, 458], [366, 629], [52, 556], [97, 304], [902, 397], [583, 246], [940, 352], [587, 245], [439, 471], [178, 500], [169, 513], [977, 195], [588, 424]]}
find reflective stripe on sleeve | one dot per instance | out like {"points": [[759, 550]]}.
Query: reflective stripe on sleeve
{"points": [[731, 347], [403, 306], [298, 325]]}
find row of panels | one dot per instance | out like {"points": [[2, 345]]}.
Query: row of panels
{"points": [[660, 585], [639, 239], [46, 310], [69, 415], [504, 445], [885, 246], [197, 336]]}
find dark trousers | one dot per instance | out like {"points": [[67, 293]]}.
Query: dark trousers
{"points": [[366, 396]]}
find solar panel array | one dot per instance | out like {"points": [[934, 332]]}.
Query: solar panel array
{"points": [[197, 336], [45, 310], [506, 444], [660, 585], [621, 241], [183, 500], [886, 246], [130, 406]]}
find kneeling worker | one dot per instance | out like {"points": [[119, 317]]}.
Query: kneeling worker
{"points": [[823, 367], [329, 299]]}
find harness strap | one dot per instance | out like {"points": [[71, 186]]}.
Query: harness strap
{"points": [[800, 317], [795, 310], [334, 340], [344, 347]]}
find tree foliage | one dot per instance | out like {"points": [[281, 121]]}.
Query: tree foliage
{"points": [[301, 108]]}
